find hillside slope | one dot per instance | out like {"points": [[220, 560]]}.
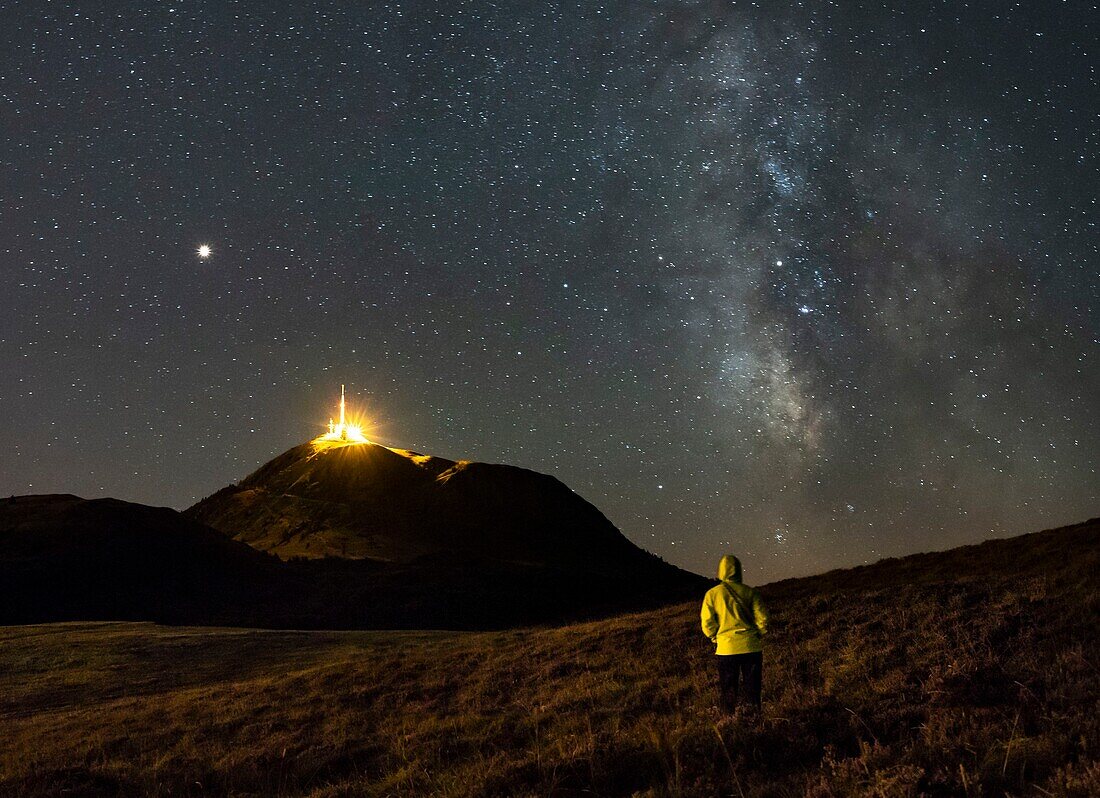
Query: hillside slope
{"points": [[975, 674]]}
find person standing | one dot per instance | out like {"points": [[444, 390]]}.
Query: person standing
{"points": [[735, 620]]}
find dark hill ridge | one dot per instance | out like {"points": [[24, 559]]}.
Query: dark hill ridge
{"points": [[1071, 550], [370, 501], [66, 558]]}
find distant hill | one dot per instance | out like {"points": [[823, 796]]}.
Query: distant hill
{"points": [[392, 537], [369, 501], [970, 672], [65, 558], [430, 544]]}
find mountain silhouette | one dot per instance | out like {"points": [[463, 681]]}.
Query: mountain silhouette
{"points": [[67, 558], [370, 501], [357, 536]]}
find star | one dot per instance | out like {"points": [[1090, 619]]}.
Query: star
{"points": [[204, 251]]}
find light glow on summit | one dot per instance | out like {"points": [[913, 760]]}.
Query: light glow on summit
{"points": [[345, 431]]}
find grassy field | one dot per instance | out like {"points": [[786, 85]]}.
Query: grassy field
{"points": [[984, 682]]}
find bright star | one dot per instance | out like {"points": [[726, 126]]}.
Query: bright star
{"points": [[204, 251]]}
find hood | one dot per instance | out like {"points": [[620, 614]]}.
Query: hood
{"points": [[729, 569]]}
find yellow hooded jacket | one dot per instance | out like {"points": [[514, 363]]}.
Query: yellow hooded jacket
{"points": [[733, 616]]}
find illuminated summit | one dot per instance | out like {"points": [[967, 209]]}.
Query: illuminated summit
{"points": [[344, 431]]}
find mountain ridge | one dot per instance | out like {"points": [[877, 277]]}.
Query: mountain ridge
{"points": [[335, 536], [371, 501]]}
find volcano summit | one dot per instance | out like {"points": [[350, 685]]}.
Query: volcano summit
{"points": [[367, 501], [416, 536], [343, 496]]}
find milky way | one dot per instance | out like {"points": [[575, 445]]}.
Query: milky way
{"points": [[814, 284]]}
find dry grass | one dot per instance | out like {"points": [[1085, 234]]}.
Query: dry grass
{"points": [[979, 687]]}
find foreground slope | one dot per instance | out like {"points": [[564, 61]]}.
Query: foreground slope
{"points": [[976, 675]]}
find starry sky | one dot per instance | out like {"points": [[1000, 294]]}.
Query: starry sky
{"points": [[814, 283]]}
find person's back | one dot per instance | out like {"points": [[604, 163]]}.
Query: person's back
{"points": [[735, 620]]}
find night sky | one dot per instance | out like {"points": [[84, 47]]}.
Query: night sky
{"points": [[812, 283]]}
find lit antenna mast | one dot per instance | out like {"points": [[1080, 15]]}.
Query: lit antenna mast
{"points": [[343, 426], [346, 431]]}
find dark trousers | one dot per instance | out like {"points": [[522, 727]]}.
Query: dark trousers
{"points": [[744, 668]]}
